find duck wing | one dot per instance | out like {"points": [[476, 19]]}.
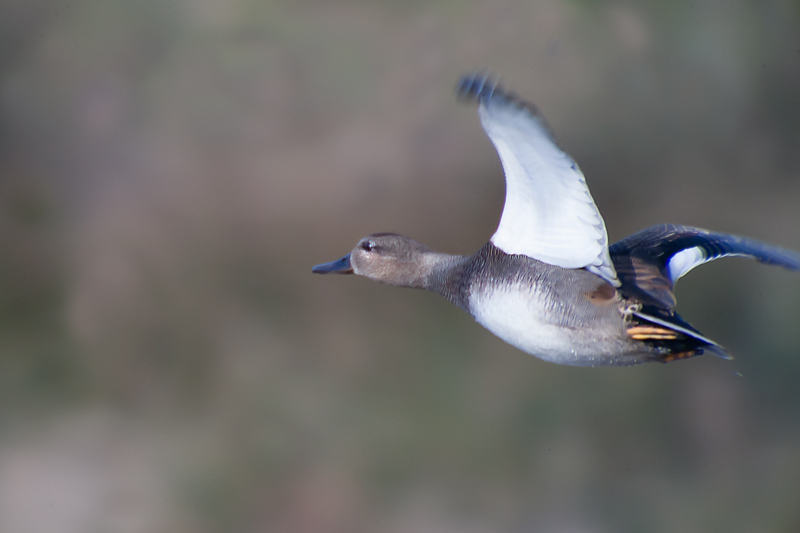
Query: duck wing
{"points": [[649, 263], [549, 214], [652, 260]]}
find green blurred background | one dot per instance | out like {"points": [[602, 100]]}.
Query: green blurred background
{"points": [[170, 170]]}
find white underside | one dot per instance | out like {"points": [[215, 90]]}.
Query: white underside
{"points": [[517, 315]]}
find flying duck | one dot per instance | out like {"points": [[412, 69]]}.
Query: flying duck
{"points": [[548, 282]]}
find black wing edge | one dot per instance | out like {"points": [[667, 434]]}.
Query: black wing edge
{"points": [[642, 260], [482, 87], [642, 264], [659, 243]]}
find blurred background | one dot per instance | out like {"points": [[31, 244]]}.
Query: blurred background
{"points": [[170, 170]]}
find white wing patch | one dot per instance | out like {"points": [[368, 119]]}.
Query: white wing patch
{"points": [[685, 260], [549, 214]]}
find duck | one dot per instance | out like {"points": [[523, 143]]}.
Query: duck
{"points": [[548, 282]]}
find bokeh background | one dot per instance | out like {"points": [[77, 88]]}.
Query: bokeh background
{"points": [[171, 169]]}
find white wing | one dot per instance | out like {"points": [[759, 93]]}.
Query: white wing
{"points": [[549, 213]]}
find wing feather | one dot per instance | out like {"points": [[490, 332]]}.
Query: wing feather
{"points": [[549, 214], [653, 259]]}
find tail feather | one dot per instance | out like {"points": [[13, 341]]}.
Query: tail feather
{"points": [[688, 334]]}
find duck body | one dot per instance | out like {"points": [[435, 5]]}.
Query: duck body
{"points": [[548, 283], [567, 316]]}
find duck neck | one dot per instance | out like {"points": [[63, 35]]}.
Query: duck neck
{"points": [[445, 275]]}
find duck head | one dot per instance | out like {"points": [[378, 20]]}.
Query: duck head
{"points": [[385, 257]]}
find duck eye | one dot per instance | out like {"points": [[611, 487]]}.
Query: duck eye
{"points": [[367, 246]]}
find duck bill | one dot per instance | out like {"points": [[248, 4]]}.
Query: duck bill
{"points": [[340, 266]]}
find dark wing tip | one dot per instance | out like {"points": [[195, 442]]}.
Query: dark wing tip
{"points": [[481, 87]]}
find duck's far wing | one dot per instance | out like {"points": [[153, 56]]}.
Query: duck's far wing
{"points": [[549, 213], [653, 259]]}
